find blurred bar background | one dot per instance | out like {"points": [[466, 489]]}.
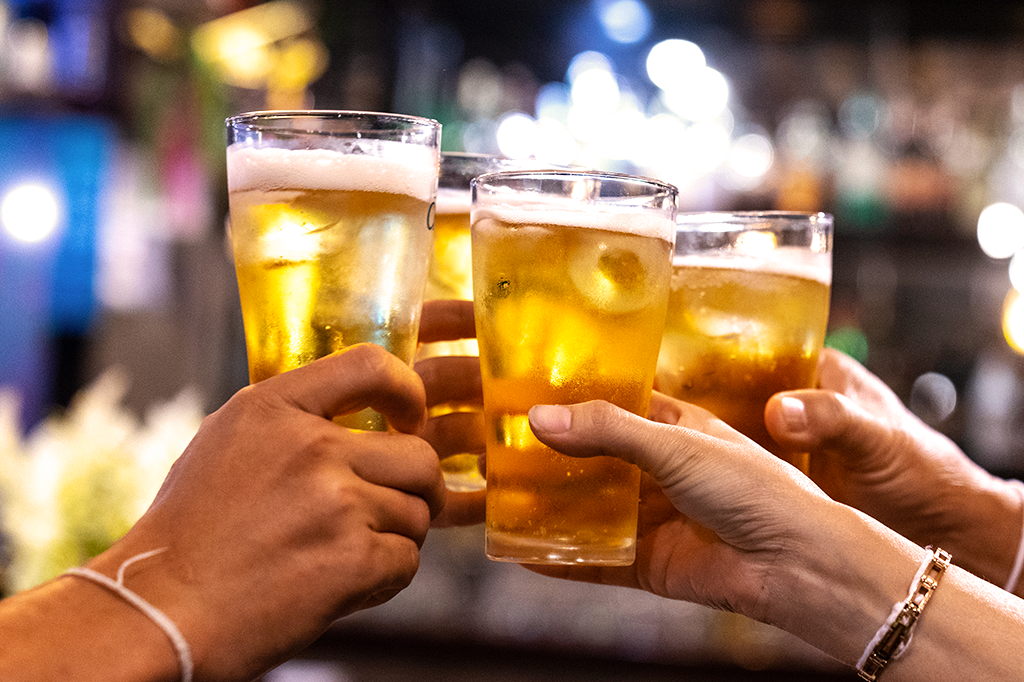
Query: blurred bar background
{"points": [[903, 118]]}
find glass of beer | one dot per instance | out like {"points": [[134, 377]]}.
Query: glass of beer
{"points": [[747, 313], [331, 227], [570, 287], [451, 277]]}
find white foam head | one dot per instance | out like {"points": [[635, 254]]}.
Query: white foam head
{"points": [[399, 169], [570, 213], [784, 260], [453, 200]]}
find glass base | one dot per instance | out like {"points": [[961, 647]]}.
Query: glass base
{"points": [[529, 550], [461, 474]]}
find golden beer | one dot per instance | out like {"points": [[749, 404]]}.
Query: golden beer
{"points": [[331, 249], [742, 326], [570, 307], [451, 268]]}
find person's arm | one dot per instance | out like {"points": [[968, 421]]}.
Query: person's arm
{"points": [[725, 524], [71, 629], [869, 451], [272, 524]]}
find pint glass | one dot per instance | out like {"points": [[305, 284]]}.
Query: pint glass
{"points": [[331, 216], [747, 313], [451, 277], [570, 286]]}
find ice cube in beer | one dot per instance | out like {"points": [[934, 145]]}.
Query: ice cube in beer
{"points": [[611, 278], [288, 233]]}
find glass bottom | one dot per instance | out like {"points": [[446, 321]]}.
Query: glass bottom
{"points": [[461, 474], [531, 550]]}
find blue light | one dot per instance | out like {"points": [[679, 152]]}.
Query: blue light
{"points": [[624, 21]]}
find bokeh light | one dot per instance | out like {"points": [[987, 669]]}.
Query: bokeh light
{"points": [[1001, 230], [1013, 320], [671, 63], [517, 136], [933, 397], [595, 89], [1017, 271], [701, 97], [751, 155], [624, 21], [30, 213]]}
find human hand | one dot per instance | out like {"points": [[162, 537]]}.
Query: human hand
{"points": [[717, 512], [869, 451], [726, 524], [276, 521], [453, 379]]}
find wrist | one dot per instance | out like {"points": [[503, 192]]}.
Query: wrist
{"points": [[838, 591], [70, 628]]}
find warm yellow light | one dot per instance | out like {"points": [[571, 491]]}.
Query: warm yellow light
{"points": [[298, 64], [243, 46], [1013, 320], [154, 33]]}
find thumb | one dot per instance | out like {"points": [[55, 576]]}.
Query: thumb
{"points": [[599, 428], [819, 420], [709, 472]]}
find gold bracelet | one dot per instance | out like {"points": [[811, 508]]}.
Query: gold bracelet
{"points": [[894, 635]]}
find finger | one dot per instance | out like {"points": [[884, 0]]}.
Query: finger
{"points": [[456, 433], [451, 379], [817, 420], [401, 462], [599, 428], [461, 509], [663, 409], [840, 373], [446, 320], [401, 513], [360, 376]]}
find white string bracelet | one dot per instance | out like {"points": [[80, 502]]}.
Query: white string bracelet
{"points": [[892, 638], [154, 614], [1018, 562]]}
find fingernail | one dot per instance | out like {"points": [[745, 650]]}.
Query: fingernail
{"points": [[795, 414], [551, 418]]}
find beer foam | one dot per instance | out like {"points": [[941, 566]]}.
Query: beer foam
{"points": [[453, 200], [611, 217], [403, 169], [784, 260]]}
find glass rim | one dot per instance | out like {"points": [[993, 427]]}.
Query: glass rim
{"points": [[252, 119], [695, 218], [570, 173]]}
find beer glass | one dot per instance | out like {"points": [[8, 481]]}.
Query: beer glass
{"points": [[451, 277], [747, 313], [331, 218], [570, 287]]}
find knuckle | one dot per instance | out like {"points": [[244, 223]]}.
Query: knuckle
{"points": [[602, 415], [367, 359]]}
